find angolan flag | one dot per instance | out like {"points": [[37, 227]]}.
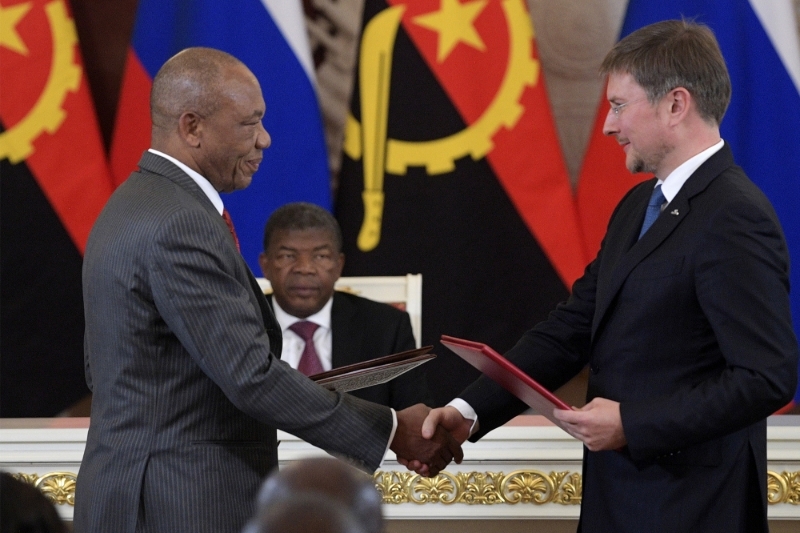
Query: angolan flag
{"points": [[54, 180], [453, 169]]}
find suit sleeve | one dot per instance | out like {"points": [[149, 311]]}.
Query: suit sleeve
{"points": [[197, 287], [552, 353], [742, 286]]}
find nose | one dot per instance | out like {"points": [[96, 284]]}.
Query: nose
{"points": [[304, 263], [610, 126], [263, 140]]}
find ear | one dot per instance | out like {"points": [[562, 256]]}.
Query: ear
{"points": [[263, 262], [341, 265], [679, 100], [190, 126]]}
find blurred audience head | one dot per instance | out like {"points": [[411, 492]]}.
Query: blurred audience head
{"points": [[331, 478], [24, 509], [305, 513]]}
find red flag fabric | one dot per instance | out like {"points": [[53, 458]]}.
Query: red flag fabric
{"points": [[55, 181], [602, 183], [48, 115], [452, 168], [132, 131]]}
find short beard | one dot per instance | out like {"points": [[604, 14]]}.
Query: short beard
{"points": [[650, 163]]}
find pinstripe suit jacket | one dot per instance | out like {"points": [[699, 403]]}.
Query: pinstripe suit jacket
{"points": [[182, 355]]}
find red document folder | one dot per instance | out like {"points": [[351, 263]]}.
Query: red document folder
{"points": [[506, 374]]}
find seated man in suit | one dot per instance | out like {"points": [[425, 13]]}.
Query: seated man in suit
{"points": [[303, 258]]}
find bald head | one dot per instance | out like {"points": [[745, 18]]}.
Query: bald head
{"points": [[331, 478], [305, 513], [207, 110], [190, 81]]}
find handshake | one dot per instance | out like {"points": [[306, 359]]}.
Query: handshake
{"points": [[427, 439]]}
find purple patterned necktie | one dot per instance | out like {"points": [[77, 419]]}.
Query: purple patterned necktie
{"points": [[309, 360]]}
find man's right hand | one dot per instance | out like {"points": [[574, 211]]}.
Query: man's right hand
{"points": [[450, 419], [431, 453], [443, 418]]}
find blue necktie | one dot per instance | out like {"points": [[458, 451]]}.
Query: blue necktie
{"points": [[653, 209]]}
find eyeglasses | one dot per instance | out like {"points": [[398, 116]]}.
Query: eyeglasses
{"points": [[617, 109]]}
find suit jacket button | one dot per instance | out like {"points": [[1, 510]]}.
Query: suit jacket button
{"points": [[594, 369]]}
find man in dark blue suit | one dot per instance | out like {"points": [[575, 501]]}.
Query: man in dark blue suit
{"points": [[303, 259], [683, 317]]}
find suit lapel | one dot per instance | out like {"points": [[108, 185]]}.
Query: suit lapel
{"points": [[626, 252], [270, 322], [163, 167], [347, 338]]}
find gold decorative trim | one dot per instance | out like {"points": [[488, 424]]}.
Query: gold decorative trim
{"points": [[471, 488], [783, 487], [59, 487], [476, 488]]}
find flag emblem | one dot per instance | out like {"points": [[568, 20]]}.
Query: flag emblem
{"points": [[16, 143], [368, 140]]}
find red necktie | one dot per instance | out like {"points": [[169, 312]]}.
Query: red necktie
{"points": [[309, 360], [227, 217]]}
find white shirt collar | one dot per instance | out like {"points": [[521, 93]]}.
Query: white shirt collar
{"points": [[673, 183], [322, 317], [202, 182]]}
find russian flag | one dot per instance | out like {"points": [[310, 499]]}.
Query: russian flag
{"points": [[759, 39], [269, 36]]}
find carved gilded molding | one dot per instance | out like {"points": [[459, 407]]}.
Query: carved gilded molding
{"points": [[783, 487], [59, 487], [472, 488], [481, 488]]}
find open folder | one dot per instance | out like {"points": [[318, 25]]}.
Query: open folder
{"points": [[509, 376], [374, 371]]}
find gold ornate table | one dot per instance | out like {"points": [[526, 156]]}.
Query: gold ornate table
{"points": [[527, 469]]}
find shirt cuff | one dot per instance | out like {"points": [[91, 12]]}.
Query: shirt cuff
{"points": [[467, 412], [391, 435]]}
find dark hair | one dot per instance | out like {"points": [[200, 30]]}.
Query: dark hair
{"points": [[24, 509], [675, 53], [302, 216]]}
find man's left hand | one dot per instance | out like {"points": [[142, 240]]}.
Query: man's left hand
{"points": [[597, 424]]}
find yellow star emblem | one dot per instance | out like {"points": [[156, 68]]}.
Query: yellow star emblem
{"points": [[9, 18], [454, 22]]}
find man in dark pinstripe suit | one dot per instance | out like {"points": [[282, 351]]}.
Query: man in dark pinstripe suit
{"points": [[181, 349]]}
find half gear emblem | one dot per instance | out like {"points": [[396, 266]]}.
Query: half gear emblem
{"points": [[438, 156], [47, 114]]}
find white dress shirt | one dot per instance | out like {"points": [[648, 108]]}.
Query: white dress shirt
{"points": [[293, 344], [202, 182], [673, 183]]}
